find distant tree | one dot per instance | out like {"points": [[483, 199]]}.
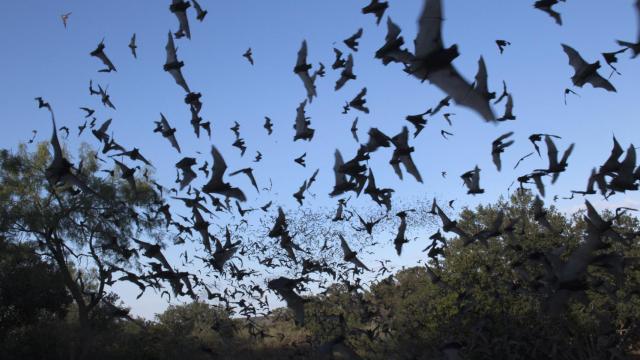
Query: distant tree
{"points": [[33, 300], [86, 235], [498, 300]]}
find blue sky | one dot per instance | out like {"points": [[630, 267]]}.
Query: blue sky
{"points": [[42, 58]]}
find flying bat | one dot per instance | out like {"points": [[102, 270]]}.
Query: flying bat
{"points": [[173, 66], [100, 54], [585, 72]]}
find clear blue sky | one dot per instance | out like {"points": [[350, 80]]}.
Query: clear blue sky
{"points": [[42, 58]]}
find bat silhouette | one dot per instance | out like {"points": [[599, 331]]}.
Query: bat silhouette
{"points": [[65, 19], [342, 185], [133, 46], [302, 70], [179, 9], [173, 66], [249, 173], [346, 74], [391, 51], [376, 8], [88, 111], [268, 125], [503, 95], [167, 131], [350, 255], [248, 55], [101, 132], [497, 147], [635, 47], [611, 58], [401, 238], [555, 166], [568, 91], [299, 195], [134, 155], [300, 160], [285, 288], [105, 98], [188, 175], [434, 63], [380, 196], [200, 14], [377, 139], [585, 72], [522, 158], [301, 126], [59, 172], [449, 225], [502, 44], [402, 155], [534, 138], [547, 7], [100, 54], [339, 62], [354, 130], [481, 85], [359, 101], [508, 110], [127, 174], [472, 181], [352, 41], [216, 184], [239, 143]]}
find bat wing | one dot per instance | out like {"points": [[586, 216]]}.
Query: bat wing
{"points": [[219, 165], [179, 78], [429, 38], [348, 69], [253, 180], [339, 162], [451, 82], [395, 163], [301, 121], [106, 61], [188, 176], [495, 155], [552, 152], [575, 60], [443, 217], [393, 30], [184, 23], [235, 193], [172, 54], [345, 247], [597, 81], [539, 185], [302, 54], [554, 14], [566, 154], [355, 261], [407, 160], [308, 84], [481, 77]]}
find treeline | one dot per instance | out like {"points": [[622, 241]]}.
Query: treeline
{"points": [[480, 301]]}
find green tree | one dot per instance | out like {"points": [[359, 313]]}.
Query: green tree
{"points": [[498, 300], [85, 235]]}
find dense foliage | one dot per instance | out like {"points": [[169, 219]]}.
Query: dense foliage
{"points": [[480, 301]]}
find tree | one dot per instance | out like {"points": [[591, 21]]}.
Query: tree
{"points": [[499, 300], [86, 235], [33, 299]]}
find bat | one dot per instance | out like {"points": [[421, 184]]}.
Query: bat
{"points": [[585, 72]]}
